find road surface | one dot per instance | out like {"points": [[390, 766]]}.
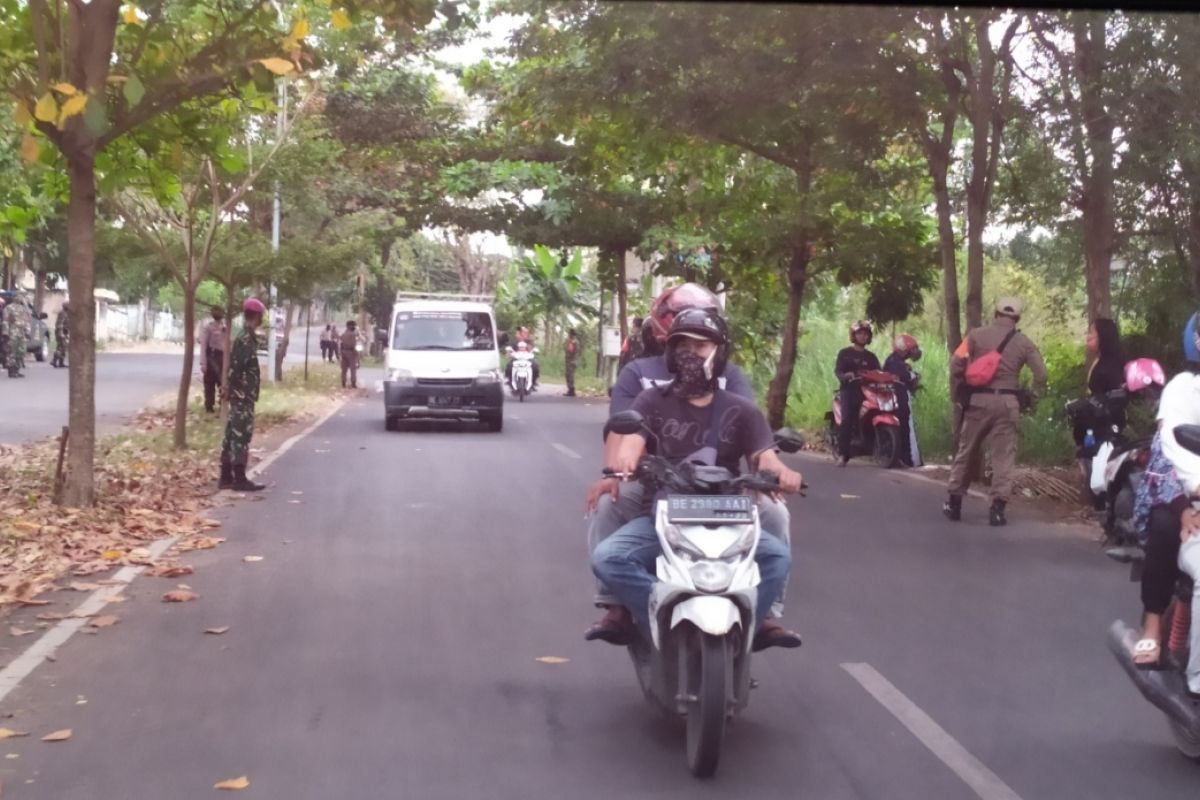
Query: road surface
{"points": [[385, 646]]}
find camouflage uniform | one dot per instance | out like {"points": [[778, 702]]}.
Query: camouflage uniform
{"points": [[243, 394], [62, 333], [17, 324], [572, 359]]}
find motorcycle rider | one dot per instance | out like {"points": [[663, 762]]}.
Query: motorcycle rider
{"points": [[851, 361], [614, 504], [904, 349], [1163, 515], [524, 342], [681, 416]]}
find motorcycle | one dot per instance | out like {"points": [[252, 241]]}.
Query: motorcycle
{"points": [[521, 377], [878, 431], [1166, 687], [702, 608]]}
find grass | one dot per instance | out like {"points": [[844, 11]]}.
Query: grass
{"points": [[554, 368]]}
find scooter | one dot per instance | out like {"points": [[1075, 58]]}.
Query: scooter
{"points": [[702, 608], [878, 431], [1166, 688], [521, 380]]}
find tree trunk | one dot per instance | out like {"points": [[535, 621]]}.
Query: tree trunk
{"points": [[39, 286], [977, 186], [616, 259], [282, 348], [947, 250], [189, 356], [1097, 201], [79, 489], [797, 278]]}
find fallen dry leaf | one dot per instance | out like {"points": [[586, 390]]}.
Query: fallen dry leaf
{"points": [[117, 598], [217, 631], [552, 659], [79, 586], [106, 621], [850, 497], [296, 502], [15, 631], [111, 555], [9, 733], [170, 571], [252, 559], [51, 615], [35, 602], [58, 736], [233, 784], [179, 596]]}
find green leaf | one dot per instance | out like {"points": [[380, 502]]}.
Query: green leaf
{"points": [[95, 119], [134, 90]]}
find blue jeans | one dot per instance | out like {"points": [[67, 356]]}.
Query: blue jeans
{"points": [[624, 562]]}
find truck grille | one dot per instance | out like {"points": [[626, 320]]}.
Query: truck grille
{"points": [[461, 382]]}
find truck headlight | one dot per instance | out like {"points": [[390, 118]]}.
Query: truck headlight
{"points": [[399, 375], [711, 576], [488, 376]]}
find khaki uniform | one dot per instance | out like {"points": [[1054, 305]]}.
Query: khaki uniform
{"points": [[572, 360], [994, 412], [349, 348], [212, 359]]}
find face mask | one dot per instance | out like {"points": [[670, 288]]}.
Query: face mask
{"points": [[693, 374]]}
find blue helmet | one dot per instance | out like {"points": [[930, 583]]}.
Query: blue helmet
{"points": [[1191, 345]]}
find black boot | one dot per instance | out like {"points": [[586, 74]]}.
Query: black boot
{"points": [[952, 508], [996, 516], [243, 484], [226, 481]]}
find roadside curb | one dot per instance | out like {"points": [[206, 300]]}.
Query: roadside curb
{"points": [[23, 665]]}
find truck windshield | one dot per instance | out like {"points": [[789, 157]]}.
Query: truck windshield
{"points": [[443, 330]]}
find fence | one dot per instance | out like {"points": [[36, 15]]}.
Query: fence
{"points": [[132, 323]]}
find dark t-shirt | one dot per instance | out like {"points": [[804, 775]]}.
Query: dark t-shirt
{"points": [[898, 366], [683, 429], [851, 359], [645, 373]]}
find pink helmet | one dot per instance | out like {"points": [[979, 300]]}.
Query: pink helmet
{"points": [[1142, 373], [254, 306]]}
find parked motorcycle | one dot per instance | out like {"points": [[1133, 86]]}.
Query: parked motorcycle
{"points": [[521, 376], [878, 431], [702, 608], [1166, 688], [1113, 460]]}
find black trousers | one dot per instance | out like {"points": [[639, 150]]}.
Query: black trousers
{"points": [[852, 400], [214, 362], [1161, 569]]}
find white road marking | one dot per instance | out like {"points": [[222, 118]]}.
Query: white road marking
{"points": [[566, 451], [985, 783], [21, 667]]}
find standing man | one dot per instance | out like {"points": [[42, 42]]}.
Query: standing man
{"points": [[349, 348], [851, 361], [212, 356], [992, 409], [244, 378], [334, 342], [62, 333], [17, 323], [572, 358]]}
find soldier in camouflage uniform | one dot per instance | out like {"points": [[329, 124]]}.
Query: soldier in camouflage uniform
{"points": [[243, 394], [17, 324], [572, 358], [62, 333]]}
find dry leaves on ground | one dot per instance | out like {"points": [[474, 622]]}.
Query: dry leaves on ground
{"points": [[9, 733], [233, 784], [58, 736], [179, 596], [106, 621], [169, 570]]}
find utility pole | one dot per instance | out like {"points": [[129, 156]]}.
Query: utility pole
{"points": [[280, 123]]}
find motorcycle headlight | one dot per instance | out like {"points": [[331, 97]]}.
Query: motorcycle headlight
{"points": [[488, 376], [399, 375], [711, 576], [679, 542], [742, 545]]}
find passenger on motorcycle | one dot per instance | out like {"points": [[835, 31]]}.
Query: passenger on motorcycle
{"points": [[851, 361], [681, 419], [904, 349], [1163, 515], [1106, 375], [524, 345], [614, 504]]}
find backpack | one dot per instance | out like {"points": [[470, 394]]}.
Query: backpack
{"points": [[982, 370]]}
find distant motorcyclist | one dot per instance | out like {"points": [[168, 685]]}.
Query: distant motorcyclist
{"points": [[851, 361], [694, 420], [614, 504], [904, 349], [524, 348]]}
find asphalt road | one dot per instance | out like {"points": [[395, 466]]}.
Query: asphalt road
{"points": [[385, 646]]}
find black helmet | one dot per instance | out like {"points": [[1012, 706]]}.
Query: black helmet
{"points": [[700, 323]]}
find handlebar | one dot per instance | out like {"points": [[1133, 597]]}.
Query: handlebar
{"points": [[658, 471]]}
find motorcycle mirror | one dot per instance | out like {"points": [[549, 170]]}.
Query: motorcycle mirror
{"points": [[1189, 437], [627, 423], [788, 440]]}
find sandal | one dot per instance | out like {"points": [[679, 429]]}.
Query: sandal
{"points": [[1146, 654]]}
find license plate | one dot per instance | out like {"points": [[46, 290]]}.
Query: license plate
{"points": [[704, 508], [442, 402]]}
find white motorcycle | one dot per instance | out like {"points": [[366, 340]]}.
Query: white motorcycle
{"points": [[521, 380], [702, 608]]}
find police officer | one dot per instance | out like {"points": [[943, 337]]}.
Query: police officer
{"points": [[62, 333], [993, 411], [244, 379], [349, 352], [572, 358], [212, 356]]}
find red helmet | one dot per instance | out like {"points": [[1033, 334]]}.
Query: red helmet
{"points": [[253, 305], [672, 301], [906, 345], [862, 325]]}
